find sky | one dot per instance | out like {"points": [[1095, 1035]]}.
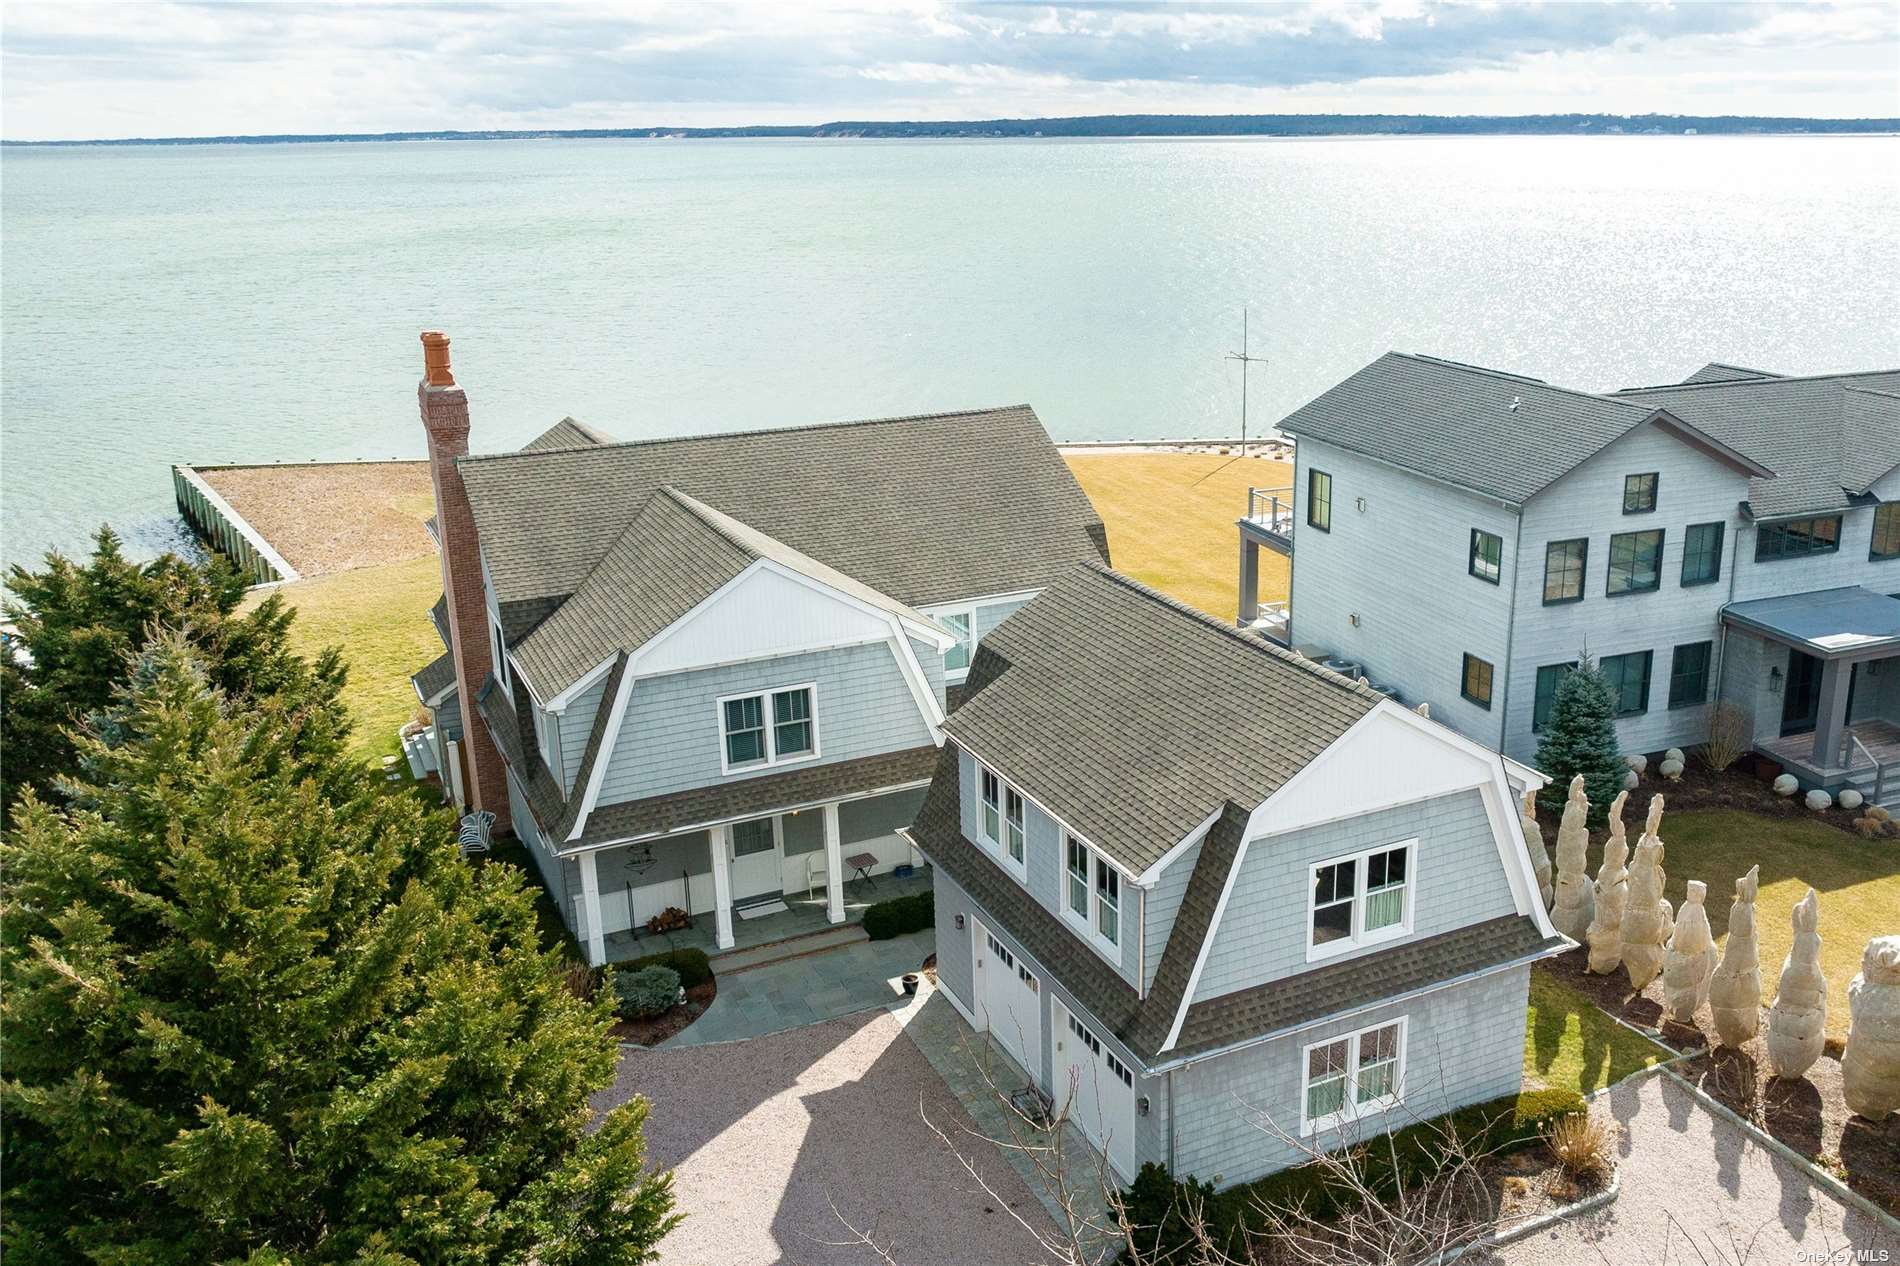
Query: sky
{"points": [[72, 70]]}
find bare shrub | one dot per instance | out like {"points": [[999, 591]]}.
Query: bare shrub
{"points": [[579, 979], [1728, 737], [1585, 1145]]}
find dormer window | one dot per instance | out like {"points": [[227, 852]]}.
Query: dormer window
{"points": [[1360, 900], [1003, 820], [1093, 894], [770, 727]]}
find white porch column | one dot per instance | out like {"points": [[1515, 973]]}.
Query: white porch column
{"points": [[722, 885], [1249, 580], [834, 866], [590, 911]]}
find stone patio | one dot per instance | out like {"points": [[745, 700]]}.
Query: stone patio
{"points": [[794, 992]]}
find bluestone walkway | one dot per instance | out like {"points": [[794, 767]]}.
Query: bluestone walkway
{"points": [[800, 991]]}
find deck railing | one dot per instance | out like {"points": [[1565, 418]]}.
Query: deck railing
{"points": [[1879, 795], [1272, 509]]}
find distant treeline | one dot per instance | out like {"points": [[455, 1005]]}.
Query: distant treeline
{"points": [[1113, 125]]}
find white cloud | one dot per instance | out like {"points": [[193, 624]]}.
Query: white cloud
{"points": [[178, 68]]}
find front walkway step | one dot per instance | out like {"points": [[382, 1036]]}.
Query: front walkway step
{"points": [[791, 947]]}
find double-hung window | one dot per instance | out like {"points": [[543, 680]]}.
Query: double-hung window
{"points": [[1689, 674], [1702, 554], [1628, 676], [771, 727], [957, 658], [1360, 900], [1635, 562], [1003, 818], [1094, 896], [1886, 542], [1549, 677], [1319, 500], [1487, 555], [1563, 570], [1355, 1075], [1475, 681]]}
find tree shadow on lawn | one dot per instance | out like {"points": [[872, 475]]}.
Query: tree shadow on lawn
{"points": [[1571, 1043]]}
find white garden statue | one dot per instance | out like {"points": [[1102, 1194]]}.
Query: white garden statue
{"points": [[1647, 920], [1576, 898], [1870, 1067], [1612, 895], [1691, 958], [1797, 1022], [1540, 853], [1735, 989]]}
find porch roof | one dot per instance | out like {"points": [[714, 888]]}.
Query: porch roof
{"points": [[1852, 621]]}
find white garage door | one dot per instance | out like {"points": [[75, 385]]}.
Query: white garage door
{"points": [[1009, 1001], [1103, 1089]]}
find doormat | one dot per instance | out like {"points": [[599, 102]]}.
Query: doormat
{"points": [[762, 909]]}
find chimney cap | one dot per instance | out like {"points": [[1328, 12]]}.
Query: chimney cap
{"points": [[435, 359]]}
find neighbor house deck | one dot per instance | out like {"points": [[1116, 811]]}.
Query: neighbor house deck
{"points": [[1871, 748]]}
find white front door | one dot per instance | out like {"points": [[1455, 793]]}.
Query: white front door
{"points": [[1098, 1088], [753, 852], [1008, 1001]]}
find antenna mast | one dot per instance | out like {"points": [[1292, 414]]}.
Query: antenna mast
{"points": [[1246, 361]]}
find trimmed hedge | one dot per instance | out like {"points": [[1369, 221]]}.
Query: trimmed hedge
{"points": [[1156, 1201], [646, 993], [691, 964], [904, 914]]}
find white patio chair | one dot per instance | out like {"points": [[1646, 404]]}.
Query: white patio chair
{"points": [[816, 876], [473, 835]]}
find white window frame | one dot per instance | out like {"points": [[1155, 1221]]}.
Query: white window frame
{"points": [[1359, 937], [1088, 922], [772, 757], [498, 656], [997, 843], [955, 676], [1351, 1109]]}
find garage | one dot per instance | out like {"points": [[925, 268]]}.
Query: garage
{"points": [[1103, 1104], [1009, 1000]]}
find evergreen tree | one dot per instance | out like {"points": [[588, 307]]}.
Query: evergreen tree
{"points": [[80, 624], [256, 1010], [1579, 737]]}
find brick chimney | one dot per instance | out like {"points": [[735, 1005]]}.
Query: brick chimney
{"points": [[445, 419]]}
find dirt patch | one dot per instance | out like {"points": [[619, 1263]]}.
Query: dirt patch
{"points": [[1808, 1114], [328, 517], [656, 1030]]}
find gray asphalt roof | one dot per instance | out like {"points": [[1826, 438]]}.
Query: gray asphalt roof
{"points": [[1455, 423], [925, 509], [1508, 436], [1799, 428], [439, 616], [436, 676], [1133, 717], [567, 433], [676, 553], [1827, 621]]}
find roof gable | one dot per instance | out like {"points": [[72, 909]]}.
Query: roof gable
{"points": [[930, 508]]}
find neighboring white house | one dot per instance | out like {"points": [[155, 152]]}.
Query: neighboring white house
{"points": [[710, 673], [1194, 884], [1463, 535]]}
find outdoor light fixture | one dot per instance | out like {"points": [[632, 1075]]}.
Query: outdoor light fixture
{"points": [[1774, 681], [959, 923], [642, 861], [1141, 1105]]}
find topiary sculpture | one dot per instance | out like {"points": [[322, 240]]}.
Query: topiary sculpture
{"points": [[1691, 958], [1575, 898], [1735, 988], [1870, 1067], [1612, 892], [1798, 1020], [1647, 921]]}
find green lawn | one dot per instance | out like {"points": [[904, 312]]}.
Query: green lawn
{"points": [[380, 617], [1171, 518], [1858, 882], [1570, 1042]]}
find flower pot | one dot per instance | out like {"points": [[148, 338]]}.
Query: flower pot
{"points": [[910, 982]]}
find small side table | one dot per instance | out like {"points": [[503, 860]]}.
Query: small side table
{"points": [[862, 863]]}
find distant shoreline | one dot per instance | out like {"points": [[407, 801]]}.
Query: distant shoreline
{"points": [[1118, 126]]}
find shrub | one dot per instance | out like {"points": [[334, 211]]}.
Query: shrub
{"points": [[1728, 736], [647, 992], [1585, 1145], [903, 914], [1580, 738], [1161, 1209], [692, 965]]}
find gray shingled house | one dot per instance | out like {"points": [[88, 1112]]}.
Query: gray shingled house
{"points": [[1461, 535], [710, 674], [1187, 879]]}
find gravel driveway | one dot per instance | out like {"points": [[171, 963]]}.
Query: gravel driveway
{"points": [[766, 1135], [1695, 1189]]}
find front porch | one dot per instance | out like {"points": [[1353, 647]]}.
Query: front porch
{"points": [[804, 915], [1818, 675]]}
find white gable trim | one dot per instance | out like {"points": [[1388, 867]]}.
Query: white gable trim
{"points": [[1469, 766], [913, 673], [1151, 876], [559, 702], [596, 777]]}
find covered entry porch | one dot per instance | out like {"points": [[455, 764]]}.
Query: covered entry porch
{"points": [[1819, 676], [744, 881]]}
